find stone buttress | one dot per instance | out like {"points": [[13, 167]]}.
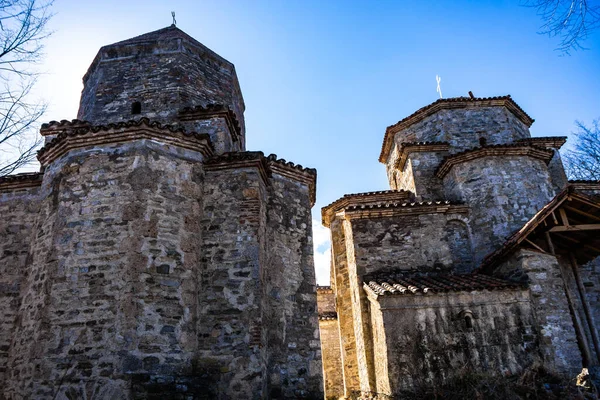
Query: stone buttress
{"points": [[155, 257]]}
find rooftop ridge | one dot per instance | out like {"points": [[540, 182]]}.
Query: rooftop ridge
{"points": [[366, 197], [76, 128], [450, 103]]}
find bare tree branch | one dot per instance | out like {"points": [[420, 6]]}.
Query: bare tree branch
{"points": [[570, 20], [22, 31], [583, 162]]}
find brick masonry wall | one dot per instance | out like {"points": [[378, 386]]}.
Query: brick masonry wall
{"points": [[294, 359], [502, 197], [428, 341], [19, 211]]}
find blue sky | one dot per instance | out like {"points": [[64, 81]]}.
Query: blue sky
{"points": [[323, 79]]}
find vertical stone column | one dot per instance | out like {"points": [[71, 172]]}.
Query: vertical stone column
{"points": [[360, 314], [230, 326], [292, 325], [344, 308]]}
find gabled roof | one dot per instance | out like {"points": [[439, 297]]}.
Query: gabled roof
{"points": [[571, 221], [447, 104]]}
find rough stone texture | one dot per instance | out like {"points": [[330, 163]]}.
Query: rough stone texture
{"points": [[472, 181], [154, 262], [499, 195], [426, 340], [463, 129], [435, 242], [165, 71], [330, 339], [558, 342], [18, 209]]}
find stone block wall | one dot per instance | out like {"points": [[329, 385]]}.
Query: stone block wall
{"points": [[333, 376], [111, 291], [291, 320], [462, 128], [171, 71], [501, 196], [18, 208], [425, 340], [559, 346], [428, 242]]}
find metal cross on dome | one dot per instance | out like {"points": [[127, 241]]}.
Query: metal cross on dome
{"points": [[174, 20], [439, 89]]}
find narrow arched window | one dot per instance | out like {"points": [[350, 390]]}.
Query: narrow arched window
{"points": [[469, 321], [482, 141], [136, 107]]}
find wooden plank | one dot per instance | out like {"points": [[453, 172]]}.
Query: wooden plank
{"points": [[585, 214], [563, 216], [536, 246], [583, 227]]}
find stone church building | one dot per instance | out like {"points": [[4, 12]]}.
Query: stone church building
{"points": [[477, 258], [153, 257]]}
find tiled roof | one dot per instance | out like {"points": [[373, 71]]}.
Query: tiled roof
{"points": [[391, 204], [426, 284], [450, 103], [21, 181], [381, 196], [323, 288], [555, 142]]}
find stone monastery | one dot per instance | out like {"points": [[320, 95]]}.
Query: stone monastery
{"points": [[153, 257]]}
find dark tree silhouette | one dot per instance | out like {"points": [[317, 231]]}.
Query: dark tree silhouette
{"points": [[22, 30], [583, 161], [569, 20]]}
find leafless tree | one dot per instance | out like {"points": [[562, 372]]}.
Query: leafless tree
{"points": [[583, 161], [570, 20], [22, 30]]}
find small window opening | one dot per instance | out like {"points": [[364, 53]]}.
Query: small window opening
{"points": [[468, 322], [482, 141], [136, 107]]}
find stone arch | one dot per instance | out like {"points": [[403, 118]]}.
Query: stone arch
{"points": [[459, 242]]}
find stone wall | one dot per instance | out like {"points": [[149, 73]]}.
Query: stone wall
{"points": [[292, 325], [463, 128], [171, 71], [426, 242], [421, 169], [111, 292], [333, 377], [557, 336], [501, 196], [230, 324], [425, 340], [344, 308], [18, 208]]}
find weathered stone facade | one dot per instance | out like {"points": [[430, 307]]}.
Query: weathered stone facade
{"points": [[477, 259], [154, 257]]}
